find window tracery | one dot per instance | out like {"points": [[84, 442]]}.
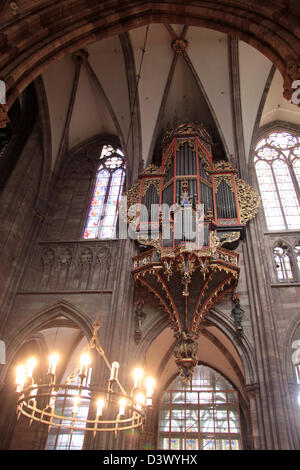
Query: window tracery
{"points": [[103, 211], [283, 262], [287, 261], [297, 255], [277, 165]]}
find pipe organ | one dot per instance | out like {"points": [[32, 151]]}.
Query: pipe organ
{"points": [[190, 213]]}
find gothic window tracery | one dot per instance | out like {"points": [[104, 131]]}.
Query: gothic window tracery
{"points": [[103, 211], [287, 261], [277, 165], [283, 263]]}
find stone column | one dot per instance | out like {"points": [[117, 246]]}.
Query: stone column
{"points": [[252, 391]]}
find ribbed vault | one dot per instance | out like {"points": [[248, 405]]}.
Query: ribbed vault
{"points": [[35, 34]]}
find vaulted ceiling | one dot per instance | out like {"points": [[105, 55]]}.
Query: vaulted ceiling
{"points": [[211, 61], [165, 73]]}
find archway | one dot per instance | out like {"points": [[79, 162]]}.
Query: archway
{"points": [[63, 28]]}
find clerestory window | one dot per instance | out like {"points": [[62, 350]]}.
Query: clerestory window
{"points": [[277, 165], [103, 211]]}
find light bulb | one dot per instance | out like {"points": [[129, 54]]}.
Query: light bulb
{"points": [[138, 375], [53, 360], [31, 363]]}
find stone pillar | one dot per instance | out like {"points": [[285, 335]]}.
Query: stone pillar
{"points": [[252, 391]]}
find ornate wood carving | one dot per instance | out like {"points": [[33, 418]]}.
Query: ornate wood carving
{"points": [[249, 200]]}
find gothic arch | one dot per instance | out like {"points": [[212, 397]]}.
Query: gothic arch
{"points": [[21, 333], [292, 399], [242, 345], [269, 27], [215, 318], [247, 377], [88, 150], [289, 338]]}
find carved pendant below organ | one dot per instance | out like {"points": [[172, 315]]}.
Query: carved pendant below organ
{"points": [[189, 263]]}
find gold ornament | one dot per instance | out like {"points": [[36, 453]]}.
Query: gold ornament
{"points": [[248, 199]]}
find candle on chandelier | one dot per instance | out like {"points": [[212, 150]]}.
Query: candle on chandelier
{"points": [[140, 400], [21, 377], [114, 371], [85, 361], [100, 406], [122, 406], [138, 375], [150, 383], [76, 402], [53, 360], [31, 363]]}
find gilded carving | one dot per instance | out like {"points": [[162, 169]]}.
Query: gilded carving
{"points": [[151, 170], [204, 159], [214, 240], [168, 161], [179, 45], [224, 165], [187, 129], [248, 200], [229, 237], [147, 183], [133, 194], [219, 178], [185, 352], [188, 140]]}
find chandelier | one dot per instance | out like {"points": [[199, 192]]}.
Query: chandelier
{"points": [[79, 405]]}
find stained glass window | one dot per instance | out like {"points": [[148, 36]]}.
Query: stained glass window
{"points": [[103, 212], [203, 415], [277, 164]]}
